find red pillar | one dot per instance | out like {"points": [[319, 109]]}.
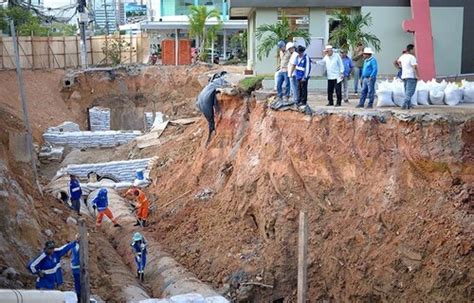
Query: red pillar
{"points": [[420, 26]]}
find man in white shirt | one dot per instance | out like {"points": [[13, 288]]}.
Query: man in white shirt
{"points": [[409, 66], [292, 73], [335, 74]]}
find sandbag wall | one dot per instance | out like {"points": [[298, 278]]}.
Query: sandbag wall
{"points": [[392, 93], [99, 118], [124, 171], [87, 139]]}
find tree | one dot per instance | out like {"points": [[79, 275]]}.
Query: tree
{"points": [[25, 22], [351, 30], [198, 16], [114, 48], [270, 34], [238, 43]]}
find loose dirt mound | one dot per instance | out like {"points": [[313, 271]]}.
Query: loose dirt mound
{"points": [[389, 202]]}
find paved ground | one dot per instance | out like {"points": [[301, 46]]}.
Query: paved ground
{"points": [[318, 101]]}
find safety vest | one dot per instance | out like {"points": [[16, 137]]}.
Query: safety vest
{"points": [[301, 67]]}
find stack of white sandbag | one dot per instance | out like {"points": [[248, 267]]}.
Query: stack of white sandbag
{"points": [[391, 93], [468, 91]]}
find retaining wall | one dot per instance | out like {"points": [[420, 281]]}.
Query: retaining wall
{"points": [[89, 139], [123, 170]]}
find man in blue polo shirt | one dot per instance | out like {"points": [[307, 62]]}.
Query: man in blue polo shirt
{"points": [[369, 76]]}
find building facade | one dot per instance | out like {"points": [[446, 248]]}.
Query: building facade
{"points": [[451, 20]]}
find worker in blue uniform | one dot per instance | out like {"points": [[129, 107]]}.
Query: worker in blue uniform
{"points": [[47, 266], [139, 246]]}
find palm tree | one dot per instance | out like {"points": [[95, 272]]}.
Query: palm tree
{"points": [[270, 34], [350, 31], [198, 16]]}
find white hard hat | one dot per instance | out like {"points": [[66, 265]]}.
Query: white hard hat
{"points": [[328, 47], [290, 45], [368, 50]]}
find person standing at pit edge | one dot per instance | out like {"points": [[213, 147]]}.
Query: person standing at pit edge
{"points": [[75, 192], [282, 77], [76, 267], [303, 70], [101, 203], [335, 74], [348, 66], [410, 74], [358, 59], [369, 76]]}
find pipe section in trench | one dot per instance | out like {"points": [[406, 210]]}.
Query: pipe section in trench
{"points": [[163, 274]]}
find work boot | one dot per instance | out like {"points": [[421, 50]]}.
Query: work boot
{"points": [[137, 223], [330, 104], [142, 277], [404, 106], [360, 106], [143, 223], [370, 106], [346, 101]]}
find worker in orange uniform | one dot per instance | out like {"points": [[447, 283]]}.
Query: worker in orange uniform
{"points": [[141, 207], [101, 203]]}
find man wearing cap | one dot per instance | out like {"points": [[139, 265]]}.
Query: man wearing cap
{"points": [[358, 59], [283, 70], [369, 76], [348, 66], [75, 192], [292, 73], [409, 67], [335, 74], [302, 71], [139, 246], [47, 266]]}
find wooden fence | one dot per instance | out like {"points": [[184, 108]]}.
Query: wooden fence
{"points": [[64, 52]]}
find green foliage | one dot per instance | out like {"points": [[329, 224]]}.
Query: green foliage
{"points": [[352, 30], [27, 24], [198, 15], [268, 35], [250, 84], [113, 50], [239, 41]]}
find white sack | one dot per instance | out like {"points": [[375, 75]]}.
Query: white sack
{"points": [[453, 94], [468, 91]]}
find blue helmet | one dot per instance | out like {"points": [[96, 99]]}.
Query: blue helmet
{"points": [[102, 192], [281, 44]]}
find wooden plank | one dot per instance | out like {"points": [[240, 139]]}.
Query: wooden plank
{"points": [[130, 47], [64, 51], [84, 262], [48, 48], [1, 53], [32, 52], [77, 52], [185, 121], [92, 50], [302, 258]]}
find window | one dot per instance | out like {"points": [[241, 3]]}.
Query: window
{"points": [[298, 17]]}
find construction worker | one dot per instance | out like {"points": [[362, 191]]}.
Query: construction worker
{"points": [[47, 266], [101, 203], [139, 245], [141, 207], [75, 192], [76, 267]]}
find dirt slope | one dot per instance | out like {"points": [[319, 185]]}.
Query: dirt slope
{"points": [[390, 205]]}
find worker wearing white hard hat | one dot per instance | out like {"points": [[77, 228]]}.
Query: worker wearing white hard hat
{"points": [[369, 76]]}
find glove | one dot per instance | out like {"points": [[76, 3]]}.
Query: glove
{"points": [[142, 246]]}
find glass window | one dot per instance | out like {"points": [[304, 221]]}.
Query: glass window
{"points": [[298, 17], [212, 4]]}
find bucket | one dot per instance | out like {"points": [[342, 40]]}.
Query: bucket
{"points": [[139, 174]]}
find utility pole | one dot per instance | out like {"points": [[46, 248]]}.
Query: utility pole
{"points": [[26, 119], [302, 258], [84, 262], [83, 19], [106, 18]]}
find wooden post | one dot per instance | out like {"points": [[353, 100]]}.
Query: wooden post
{"points": [[49, 59], [302, 258], [106, 48], [84, 262], [1, 53], [32, 52], [130, 47], [92, 50], [77, 52], [64, 49]]}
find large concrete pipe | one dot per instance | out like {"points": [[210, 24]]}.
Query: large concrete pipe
{"points": [[36, 296], [164, 275]]}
